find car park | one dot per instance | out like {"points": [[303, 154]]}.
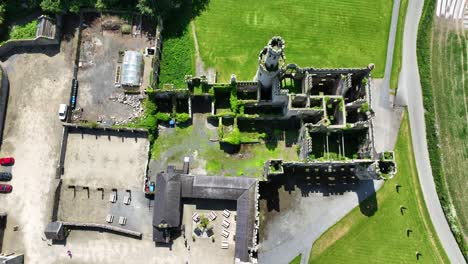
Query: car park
{"points": [[5, 176], [7, 161], [5, 188]]}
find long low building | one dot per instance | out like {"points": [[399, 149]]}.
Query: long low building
{"points": [[175, 185]]}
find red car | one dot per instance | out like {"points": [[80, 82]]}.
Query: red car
{"points": [[7, 161], [5, 188]]}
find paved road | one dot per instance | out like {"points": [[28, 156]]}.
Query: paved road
{"points": [[390, 48], [410, 92]]}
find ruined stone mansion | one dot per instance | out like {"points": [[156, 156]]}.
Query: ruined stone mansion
{"points": [[330, 108]]}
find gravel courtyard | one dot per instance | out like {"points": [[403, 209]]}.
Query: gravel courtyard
{"points": [[38, 84]]}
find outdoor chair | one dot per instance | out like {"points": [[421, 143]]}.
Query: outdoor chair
{"points": [[122, 220], [226, 224]]}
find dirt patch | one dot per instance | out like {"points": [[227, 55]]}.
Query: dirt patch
{"points": [[100, 99]]}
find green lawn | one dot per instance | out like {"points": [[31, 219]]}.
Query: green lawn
{"points": [[319, 33], [382, 238], [397, 56], [450, 89]]}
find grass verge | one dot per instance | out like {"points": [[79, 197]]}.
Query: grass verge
{"points": [[383, 238], [296, 260], [424, 50], [397, 53], [320, 33]]}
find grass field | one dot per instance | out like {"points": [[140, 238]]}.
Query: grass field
{"points": [[450, 90], [319, 33], [383, 238], [397, 52]]}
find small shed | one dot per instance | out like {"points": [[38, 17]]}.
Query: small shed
{"points": [[132, 68], [46, 27], [55, 231]]}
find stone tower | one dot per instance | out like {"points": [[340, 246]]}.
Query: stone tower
{"points": [[269, 62]]}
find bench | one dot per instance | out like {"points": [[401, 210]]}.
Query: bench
{"points": [[122, 220], [225, 233], [224, 245], [127, 199], [212, 216], [112, 197], [110, 218], [195, 217], [226, 213]]}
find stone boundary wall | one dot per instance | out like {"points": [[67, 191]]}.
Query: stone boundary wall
{"points": [[63, 150], [4, 92], [84, 128], [56, 201], [103, 227], [157, 55]]}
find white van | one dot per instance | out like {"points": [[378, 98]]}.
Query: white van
{"points": [[63, 109]]}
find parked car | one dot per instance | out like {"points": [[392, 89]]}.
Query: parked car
{"points": [[5, 188], [7, 161], [63, 110], [5, 176]]}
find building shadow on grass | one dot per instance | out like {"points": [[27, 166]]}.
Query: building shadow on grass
{"points": [[310, 181]]}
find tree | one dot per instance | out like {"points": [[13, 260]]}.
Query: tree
{"points": [[104, 4], [146, 7], [54, 6], [2, 13]]}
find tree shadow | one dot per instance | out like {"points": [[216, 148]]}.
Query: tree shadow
{"points": [[70, 23], [178, 19]]}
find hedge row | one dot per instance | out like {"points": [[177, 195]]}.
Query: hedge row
{"points": [[424, 59]]}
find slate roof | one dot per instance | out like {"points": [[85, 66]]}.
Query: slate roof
{"points": [[167, 206], [172, 186]]}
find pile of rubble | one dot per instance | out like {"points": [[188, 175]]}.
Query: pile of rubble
{"points": [[132, 100]]}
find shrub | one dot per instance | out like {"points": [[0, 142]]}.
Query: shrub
{"points": [[220, 129], [233, 100], [126, 29], [364, 107], [233, 138], [182, 117], [365, 81], [27, 31], [163, 117]]}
